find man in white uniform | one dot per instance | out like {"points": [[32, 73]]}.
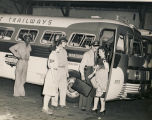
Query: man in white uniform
{"points": [[86, 68], [22, 52]]}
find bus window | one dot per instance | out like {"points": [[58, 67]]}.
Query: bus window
{"points": [[6, 33], [107, 39], [81, 40], [51, 36], [107, 36], [135, 48], [87, 41], [120, 44], [32, 32], [149, 49], [130, 43]]}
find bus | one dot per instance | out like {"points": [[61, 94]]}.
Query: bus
{"points": [[122, 40], [147, 50]]}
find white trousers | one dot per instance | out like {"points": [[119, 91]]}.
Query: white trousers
{"points": [[20, 77], [62, 88]]}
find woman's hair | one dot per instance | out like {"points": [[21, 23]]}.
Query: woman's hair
{"points": [[60, 40], [52, 46], [105, 50]]}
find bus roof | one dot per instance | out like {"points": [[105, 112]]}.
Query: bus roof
{"points": [[146, 34], [50, 21]]}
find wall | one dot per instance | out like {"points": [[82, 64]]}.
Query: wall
{"points": [[148, 21], [87, 13], [7, 6]]}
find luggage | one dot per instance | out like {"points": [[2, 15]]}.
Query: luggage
{"points": [[85, 87], [82, 87]]}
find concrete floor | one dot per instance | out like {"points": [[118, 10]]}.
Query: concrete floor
{"points": [[29, 107]]}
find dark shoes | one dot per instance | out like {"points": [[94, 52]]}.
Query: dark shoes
{"points": [[63, 106], [94, 111], [102, 113], [83, 109]]}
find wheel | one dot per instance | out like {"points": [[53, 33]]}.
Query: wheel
{"points": [[72, 95]]}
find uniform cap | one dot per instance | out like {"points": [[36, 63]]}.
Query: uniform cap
{"points": [[95, 43], [61, 39]]}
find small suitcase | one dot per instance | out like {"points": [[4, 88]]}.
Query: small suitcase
{"points": [[82, 87]]}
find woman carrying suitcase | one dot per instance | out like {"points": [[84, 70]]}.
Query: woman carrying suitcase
{"points": [[100, 78]]}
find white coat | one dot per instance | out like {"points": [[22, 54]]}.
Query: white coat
{"points": [[50, 83]]}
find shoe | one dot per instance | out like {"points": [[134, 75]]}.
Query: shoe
{"points": [[49, 111], [83, 109], [55, 107], [94, 110], [63, 106], [102, 113]]}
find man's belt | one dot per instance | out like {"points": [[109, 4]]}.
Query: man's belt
{"points": [[61, 66]]}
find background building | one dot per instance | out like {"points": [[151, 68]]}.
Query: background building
{"points": [[137, 13]]}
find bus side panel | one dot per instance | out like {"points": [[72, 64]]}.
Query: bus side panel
{"points": [[5, 69], [37, 68], [118, 76]]}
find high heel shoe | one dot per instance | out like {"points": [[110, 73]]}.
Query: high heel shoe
{"points": [[102, 113], [94, 111]]}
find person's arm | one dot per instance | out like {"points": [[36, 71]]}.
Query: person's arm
{"points": [[66, 67], [30, 48], [51, 61], [106, 65], [14, 50], [92, 74], [82, 66]]}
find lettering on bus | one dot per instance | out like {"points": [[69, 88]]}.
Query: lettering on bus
{"points": [[29, 21], [117, 81], [73, 55]]}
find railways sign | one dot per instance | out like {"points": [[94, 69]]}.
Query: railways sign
{"points": [[26, 20]]}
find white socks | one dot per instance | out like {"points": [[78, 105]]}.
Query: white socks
{"points": [[46, 102], [102, 104], [96, 100], [95, 106]]}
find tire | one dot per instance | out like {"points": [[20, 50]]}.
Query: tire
{"points": [[72, 95]]}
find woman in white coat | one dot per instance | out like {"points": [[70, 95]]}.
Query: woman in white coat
{"points": [[50, 83]]}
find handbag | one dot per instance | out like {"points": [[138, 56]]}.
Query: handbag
{"points": [[82, 87]]}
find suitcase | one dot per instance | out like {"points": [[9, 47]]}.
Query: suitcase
{"points": [[82, 87]]}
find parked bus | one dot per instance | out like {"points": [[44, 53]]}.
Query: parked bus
{"points": [[123, 41], [147, 50]]}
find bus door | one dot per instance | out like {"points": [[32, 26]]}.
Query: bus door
{"points": [[118, 64]]}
